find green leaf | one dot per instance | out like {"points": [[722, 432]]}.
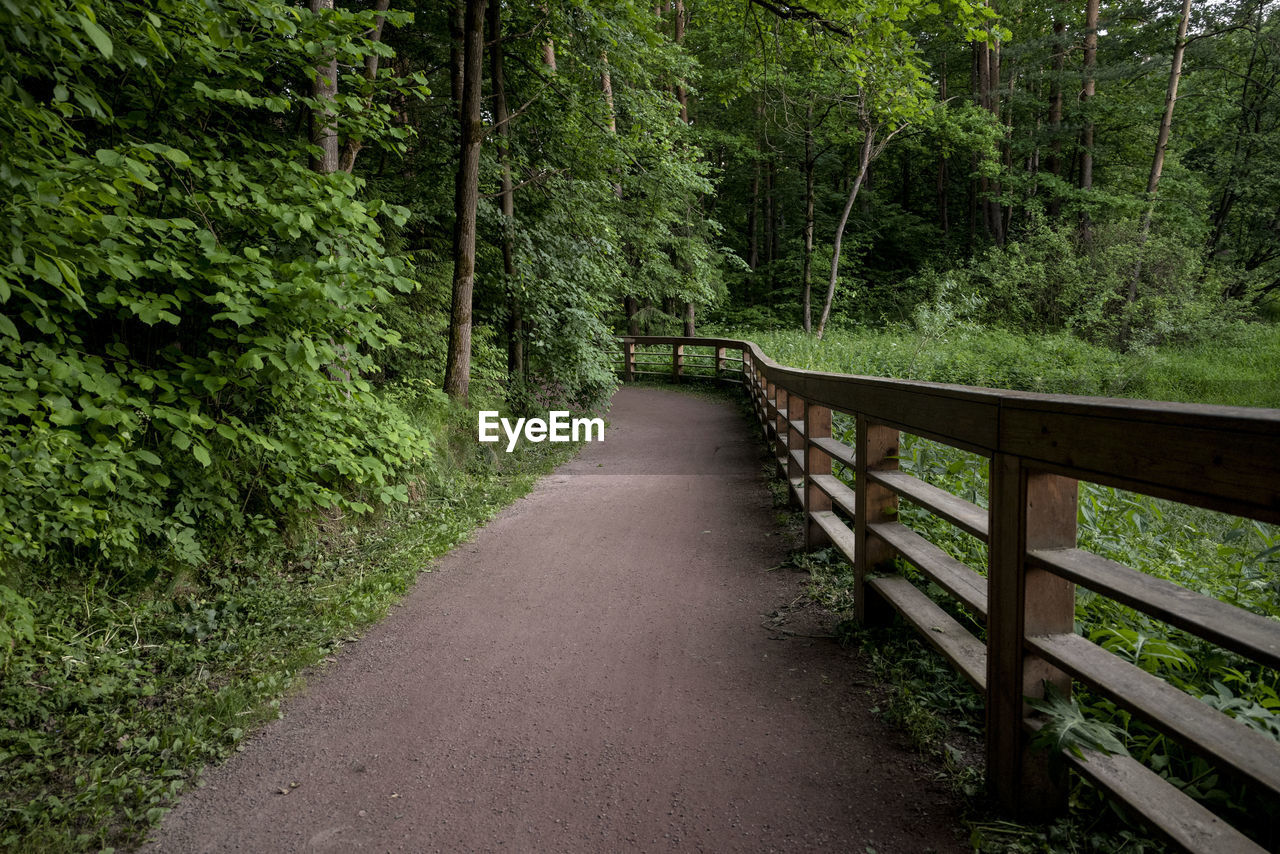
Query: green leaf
{"points": [[201, 453], [100, 39], [8, 328]]}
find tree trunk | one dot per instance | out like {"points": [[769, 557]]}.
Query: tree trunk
{"points": [[941, 189], [1086, 96], [993, 104], [457, 53], [457, 379], [1157, 161], [1055, 108], [353, 146], [515, 309], [806, 311], [753, 221], [770, 221], [689, 330], [548, 46], [632, 308], [864, 163], [682, 96], [324, 134]]}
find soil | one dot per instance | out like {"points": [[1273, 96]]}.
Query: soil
{"points": [[596, 670]]}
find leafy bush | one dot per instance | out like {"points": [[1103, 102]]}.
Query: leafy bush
{"points": [[187, 308]]}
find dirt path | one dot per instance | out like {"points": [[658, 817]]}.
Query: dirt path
{"points": [[589, 674]]}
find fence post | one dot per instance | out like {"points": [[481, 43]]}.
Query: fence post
{"points": [[817, 425], [876, 449], [796, 411], [677, 361], [781, 430], [628, 360], [720, 363], [1029, 510]]}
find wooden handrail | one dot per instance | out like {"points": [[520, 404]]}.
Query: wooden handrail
{"points": [[1039, 447]]}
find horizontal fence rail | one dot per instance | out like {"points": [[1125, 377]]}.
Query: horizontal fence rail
{"points": [[1039, 447]]}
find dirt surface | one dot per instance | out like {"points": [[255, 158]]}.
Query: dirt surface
{"points": [[590, 674]]}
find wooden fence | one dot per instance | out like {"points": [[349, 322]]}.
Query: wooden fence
{"points": [[1039, 446]]}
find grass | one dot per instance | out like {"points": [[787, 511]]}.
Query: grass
{"points": [[1240, 368], [130, 689]]}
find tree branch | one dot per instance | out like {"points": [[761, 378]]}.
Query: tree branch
{"points": [[795, 12]]}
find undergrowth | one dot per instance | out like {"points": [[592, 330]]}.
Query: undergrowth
{"points": [[129, 688]]}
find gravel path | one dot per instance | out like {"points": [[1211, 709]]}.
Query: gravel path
{"points": [[589, 674]]}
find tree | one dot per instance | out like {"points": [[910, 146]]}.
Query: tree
{"points": [[457, 381]]}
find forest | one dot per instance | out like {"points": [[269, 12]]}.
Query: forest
{"points": [[262, 261]]}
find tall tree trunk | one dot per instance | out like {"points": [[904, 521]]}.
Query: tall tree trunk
{"points": [[457, 53], [1055, 107], [941, 189], [353, 146], [457, 378], [1157, 162], [1162, 137], [753, 221], [864, 163], [993, 104], [515, 308], [682, 97], [325, 86], [1166, 120], [770, 220], [806, 311], [1086, 97], [606, 87], [982, 93]]}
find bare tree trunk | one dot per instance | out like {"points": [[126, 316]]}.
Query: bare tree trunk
{"points": [[325, 86], [1166, 120], [1157, 161], [864, 163], [353, 146], [689, 330], [457, 379], [515, 309], [807, 269]]}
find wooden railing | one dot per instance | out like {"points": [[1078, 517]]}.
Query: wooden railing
{"points": [[1039, 447]]}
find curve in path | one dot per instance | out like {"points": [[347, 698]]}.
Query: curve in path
{"points": [[589, 674]]}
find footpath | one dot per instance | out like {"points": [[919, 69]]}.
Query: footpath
{"points": [[593, 672]]}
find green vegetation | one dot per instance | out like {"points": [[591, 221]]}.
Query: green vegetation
{"points": [[128, 688]]}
